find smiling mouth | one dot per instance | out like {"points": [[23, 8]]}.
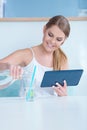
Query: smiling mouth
{"points": [[50, 45]]}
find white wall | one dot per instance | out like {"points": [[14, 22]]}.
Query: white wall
{"points": [[76, 49], [17, 35]]}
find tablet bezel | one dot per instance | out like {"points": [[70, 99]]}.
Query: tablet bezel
{"points": [[72, 77]]}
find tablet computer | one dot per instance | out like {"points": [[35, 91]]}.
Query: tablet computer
{"points": [[72, 77]]}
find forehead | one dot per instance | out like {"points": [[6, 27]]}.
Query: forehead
{"points": [[56, 31]]}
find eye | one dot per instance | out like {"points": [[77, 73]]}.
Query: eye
{"points": [[59, 39], [50, 34]]}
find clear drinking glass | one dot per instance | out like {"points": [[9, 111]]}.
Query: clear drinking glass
{"points": [[28, 85]]}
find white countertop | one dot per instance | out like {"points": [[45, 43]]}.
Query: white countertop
{"points": [[52, 113]]}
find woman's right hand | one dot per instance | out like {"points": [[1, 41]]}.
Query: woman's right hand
{"points": [[16, 71], [61, 90]]}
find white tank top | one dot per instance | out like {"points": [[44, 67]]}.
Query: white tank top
{"points": [[40, 69]]}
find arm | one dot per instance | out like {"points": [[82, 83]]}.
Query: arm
{"points": [[16, 61], [16, 58]]}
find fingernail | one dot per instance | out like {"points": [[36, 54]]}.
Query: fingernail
{"points": [[57, 83], [53, 86]]}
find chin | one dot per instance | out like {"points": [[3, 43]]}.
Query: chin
{"points": [[49, 49]]}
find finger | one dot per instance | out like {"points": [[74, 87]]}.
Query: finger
{"points": [[12, 70], [58, 91], [65, 86], [15, 72], [65, 83], [20, 72], [61, 90], [59, 86]]}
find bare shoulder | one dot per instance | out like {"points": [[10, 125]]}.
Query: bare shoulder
{"points": [[25, 52], [22, 53]]}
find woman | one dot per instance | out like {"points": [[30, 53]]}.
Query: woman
{"points": [[46, 56]]}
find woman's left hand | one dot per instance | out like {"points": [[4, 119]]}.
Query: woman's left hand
{"points": [[61, 90]]}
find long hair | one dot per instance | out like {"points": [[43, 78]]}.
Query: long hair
{"points": [[59, 57]]}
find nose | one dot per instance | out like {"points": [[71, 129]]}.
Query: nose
{"points": [[53, 41]]}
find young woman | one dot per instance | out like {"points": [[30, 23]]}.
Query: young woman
{"points": [[46, 56]]}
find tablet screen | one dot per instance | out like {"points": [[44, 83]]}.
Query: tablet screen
{"points": [[72, 77]]}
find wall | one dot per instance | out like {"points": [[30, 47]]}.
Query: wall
{"points": [[41, 8], [46, 8], [18, 35]]}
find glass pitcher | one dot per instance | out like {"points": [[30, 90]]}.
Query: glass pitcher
{"points": [[5, 78], [27, 80]]}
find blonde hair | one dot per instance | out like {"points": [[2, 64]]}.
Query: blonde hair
{"points": [[59, 57]]}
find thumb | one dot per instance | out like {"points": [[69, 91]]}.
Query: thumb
{"points": [[65, 83]]}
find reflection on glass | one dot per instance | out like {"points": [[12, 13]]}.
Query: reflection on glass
{"points": [[5, 78]]}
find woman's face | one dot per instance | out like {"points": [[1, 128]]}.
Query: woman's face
{"points": [[53, 38]]}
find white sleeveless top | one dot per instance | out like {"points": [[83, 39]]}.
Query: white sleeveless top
{"points": [[40, 69]]}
